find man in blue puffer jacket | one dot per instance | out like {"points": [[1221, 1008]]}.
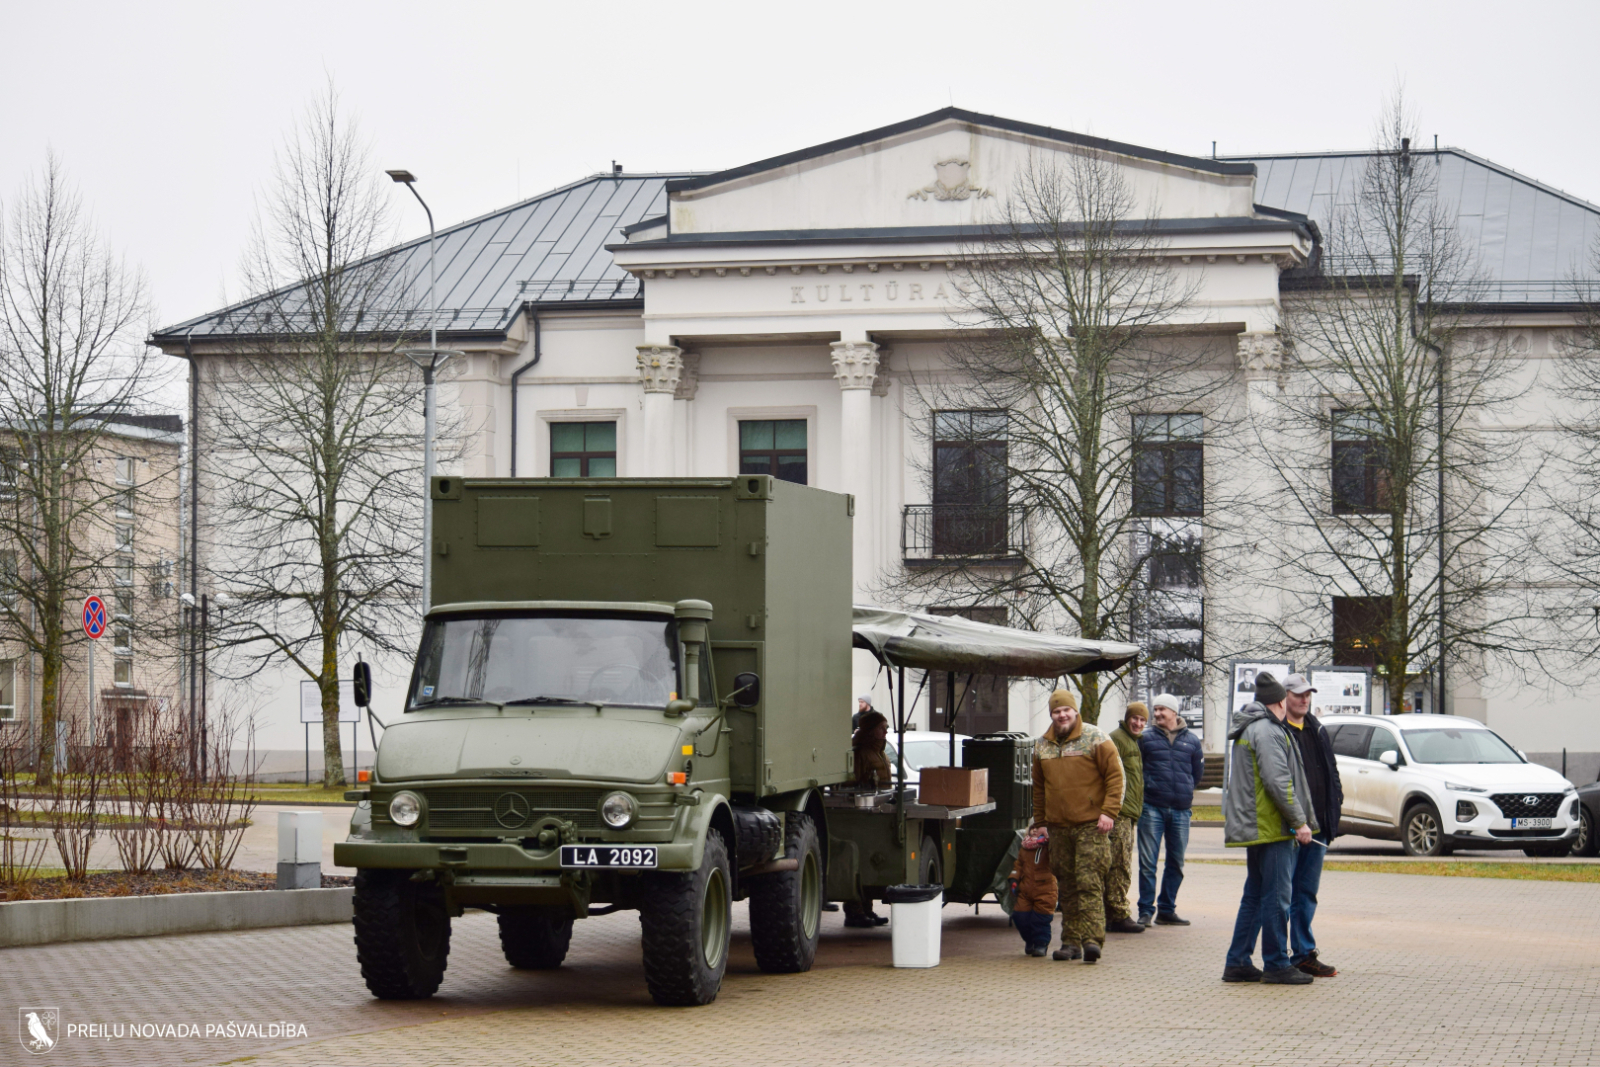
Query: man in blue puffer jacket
{"points": [[1173, 763]]}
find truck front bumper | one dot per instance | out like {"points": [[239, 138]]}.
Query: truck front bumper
{"points": [[496, 859]]}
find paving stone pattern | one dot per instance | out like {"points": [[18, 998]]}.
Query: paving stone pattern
{"points": [[1446, 971]]}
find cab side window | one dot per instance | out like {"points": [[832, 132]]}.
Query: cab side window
{"points": [[1352, 741], [1382, 741]]}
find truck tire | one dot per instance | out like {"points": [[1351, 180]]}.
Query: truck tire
{"points": [[786, 906], [402, 934], [930, 863], [533, 941], [684, 920]]}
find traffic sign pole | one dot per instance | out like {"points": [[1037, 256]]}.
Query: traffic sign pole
{"points": [[94, 625]]}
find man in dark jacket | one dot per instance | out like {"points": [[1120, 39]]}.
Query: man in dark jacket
{"points": [[1173, 763], [1327, 798]]}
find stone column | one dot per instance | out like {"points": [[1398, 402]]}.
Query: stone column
{"points": [[659, 369], [855, 366]]}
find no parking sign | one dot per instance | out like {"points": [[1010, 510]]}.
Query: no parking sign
{"points": [[94, 617]]}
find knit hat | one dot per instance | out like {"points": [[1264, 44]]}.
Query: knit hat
{"points": [[865, 698], [1269, 690], [1063, 698], [1166, 700], [1137, 708]]}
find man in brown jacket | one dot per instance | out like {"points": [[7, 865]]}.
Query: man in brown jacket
{"points": [[1077, 792]]}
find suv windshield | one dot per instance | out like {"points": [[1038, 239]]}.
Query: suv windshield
{"points": [[1459, 746], [546, 659]]}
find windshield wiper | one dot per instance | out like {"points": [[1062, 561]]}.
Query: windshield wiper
{"points": [[460, 700], [551, 700]]}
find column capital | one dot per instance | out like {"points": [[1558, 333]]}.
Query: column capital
{"points": [[689, 377], [855, 364], [660, 367], [1260, 354]]}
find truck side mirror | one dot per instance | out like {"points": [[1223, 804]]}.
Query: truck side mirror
{"points": [[361, 678], [746, 690]]}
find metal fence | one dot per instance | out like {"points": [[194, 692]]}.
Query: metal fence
{"points": [[952, 532]]}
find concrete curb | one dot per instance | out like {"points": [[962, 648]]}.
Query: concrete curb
{"points": [[43, 922]]}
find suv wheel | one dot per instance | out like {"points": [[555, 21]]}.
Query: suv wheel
{"points": [[1585, 844], [1421, 833]]}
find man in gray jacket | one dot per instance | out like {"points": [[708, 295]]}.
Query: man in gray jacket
{"points": [[1266, 809]]}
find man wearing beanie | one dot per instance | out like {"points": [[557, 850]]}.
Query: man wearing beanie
{"points": [[1077, 792], [1266, 811], [1119, 878]]}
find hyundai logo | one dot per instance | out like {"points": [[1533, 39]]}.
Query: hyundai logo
{"points": [[511, 810], [1530, 800]]}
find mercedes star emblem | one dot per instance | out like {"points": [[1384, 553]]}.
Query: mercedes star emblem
{"points": [[511, 810]]}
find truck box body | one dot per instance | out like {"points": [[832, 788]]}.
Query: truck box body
{"points": [[772, 558]]}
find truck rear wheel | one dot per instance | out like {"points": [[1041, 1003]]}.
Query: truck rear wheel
{"points": [[786, 906], [533, 940], [685, 920], [402, 934]]}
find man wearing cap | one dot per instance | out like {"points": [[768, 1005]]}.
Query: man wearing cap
{"points": [[1077, 792], [863, 705], [1119, 877], [1327, 798], [1173, 765], [1266, 811]]}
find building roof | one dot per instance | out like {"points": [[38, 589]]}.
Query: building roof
{"points": [[547, 250], [1528, 238]]}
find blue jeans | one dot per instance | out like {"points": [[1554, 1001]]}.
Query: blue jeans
{"points": [[1156, 824], [1264, 907], [1303, 901]]}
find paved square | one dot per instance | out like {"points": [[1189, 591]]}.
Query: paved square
{"points": [[1447, 971]]}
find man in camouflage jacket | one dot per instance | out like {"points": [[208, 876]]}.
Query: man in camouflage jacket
{"points": [[1077, 792]]}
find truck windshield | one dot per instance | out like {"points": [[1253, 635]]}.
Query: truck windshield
{"points": [[546, 659]]}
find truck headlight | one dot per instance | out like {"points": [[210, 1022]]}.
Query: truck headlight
{"points": [[617, 810], [405, 809]]}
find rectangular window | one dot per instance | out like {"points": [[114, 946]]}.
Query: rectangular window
{"points": [[970, 483], [125, 469], [1168, 464], [986, 707], [124, 570], [10, 466], [122, 671], [125, 504], [8, 690], [774, 446], [1359, 623], [583, 450], [124, 605], [1360, 464], [122, 637], [124, 537], [9, 577]]}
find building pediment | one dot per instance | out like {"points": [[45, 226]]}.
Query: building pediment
{"points": [[951, 168]]}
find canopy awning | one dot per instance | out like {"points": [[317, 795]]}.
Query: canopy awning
{"points": [[950, 643]]}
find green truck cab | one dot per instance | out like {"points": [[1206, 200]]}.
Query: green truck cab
{"points": [[635, 694]]}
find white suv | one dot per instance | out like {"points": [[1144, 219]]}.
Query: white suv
{"points": [[1437, 783]]}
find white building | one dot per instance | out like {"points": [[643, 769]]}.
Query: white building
{"points": [[769, 317]]}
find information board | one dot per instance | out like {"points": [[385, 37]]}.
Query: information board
{"points": [[311, 702]]}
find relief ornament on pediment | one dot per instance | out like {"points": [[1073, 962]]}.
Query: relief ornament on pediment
{"points": [[952, 181]]}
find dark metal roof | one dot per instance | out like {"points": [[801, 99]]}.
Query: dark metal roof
{"points": [[1528, 238], [933, 117], [547, 250]]}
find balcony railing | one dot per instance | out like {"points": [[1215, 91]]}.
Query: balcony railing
{"points": [[939, 533]]}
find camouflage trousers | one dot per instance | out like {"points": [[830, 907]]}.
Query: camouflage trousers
{"points": [[1119, 877], [1079, 857]]}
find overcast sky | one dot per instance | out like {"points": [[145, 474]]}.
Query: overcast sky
{"points": [[167, 114]]}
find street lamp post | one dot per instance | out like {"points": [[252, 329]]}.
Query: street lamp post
{"points": [[436, 358]]}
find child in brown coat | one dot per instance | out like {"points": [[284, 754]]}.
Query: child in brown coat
{"points": [[1035, 889]]}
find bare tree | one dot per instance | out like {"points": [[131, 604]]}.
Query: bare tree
{"points": [[316, 429], [71, 318], [1572, 551], [1401, 514], [1037, 423]]}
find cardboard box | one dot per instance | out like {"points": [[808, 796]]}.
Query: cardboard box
{"points": [[954, 787]]}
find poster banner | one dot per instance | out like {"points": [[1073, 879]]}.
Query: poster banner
{"points": [[1242, 679], [1168, 616], [1341, 691], [311, 702]]}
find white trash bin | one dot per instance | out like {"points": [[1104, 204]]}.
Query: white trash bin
{"points": [[915, 921]]}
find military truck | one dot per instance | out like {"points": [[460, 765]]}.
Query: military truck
{"points": [[635, 694]]}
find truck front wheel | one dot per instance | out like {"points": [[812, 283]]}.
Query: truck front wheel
{"points": [[786, 906], [685, 920], [533, 940], [402, 934]]}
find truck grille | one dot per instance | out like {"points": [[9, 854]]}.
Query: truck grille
{"points": [[474, 809], [1518, 806]]}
